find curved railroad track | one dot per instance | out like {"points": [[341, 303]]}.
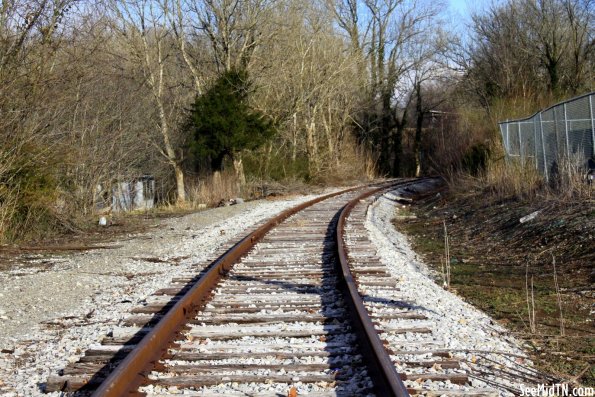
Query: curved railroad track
{"points": [[302, 304]]}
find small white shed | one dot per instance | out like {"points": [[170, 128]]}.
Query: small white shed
{"points": [[136, 194]]}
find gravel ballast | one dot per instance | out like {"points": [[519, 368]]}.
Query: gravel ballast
{"points": [[51, 313], [458, 326]]}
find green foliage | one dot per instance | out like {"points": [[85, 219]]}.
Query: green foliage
{"points": [[476, 158], [28, 196], [221, 123], [277, 166]]}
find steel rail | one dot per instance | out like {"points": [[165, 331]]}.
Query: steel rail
{"points": [[385, 377], [132, 371]]}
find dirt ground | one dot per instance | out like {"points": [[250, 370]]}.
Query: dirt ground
{"points": [[92, 236], [495, 257]]}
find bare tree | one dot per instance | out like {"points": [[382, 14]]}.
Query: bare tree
{"points": [[95, 92], [321, 86], [144, 31], [234, 28], [580, 15], [531, 50], [190, 41], [394, 27]]}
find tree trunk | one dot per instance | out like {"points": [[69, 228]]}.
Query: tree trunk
{"points": [[418, 127], [238, 166], [294, 136], [330, 139], [398, 145], [267, 162], [181, 189], [386, 127], [217, 181], [312, 145]]}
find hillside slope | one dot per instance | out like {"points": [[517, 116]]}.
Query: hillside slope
{"points": [[495, 256]]}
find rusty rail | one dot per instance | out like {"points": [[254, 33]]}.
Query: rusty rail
{"points": [[387, 380], [131, 372]]}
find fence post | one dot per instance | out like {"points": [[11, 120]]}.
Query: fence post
{"points": [[535, 143], [566, 130], [557, 135], [543, 148], [507, 143], [518, 126], [592, 124]]}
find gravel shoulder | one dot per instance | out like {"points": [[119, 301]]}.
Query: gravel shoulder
{"points": [[52, 311], [458, 326]]}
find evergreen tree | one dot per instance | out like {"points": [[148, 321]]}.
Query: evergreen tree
{"points": [[222, 124]]}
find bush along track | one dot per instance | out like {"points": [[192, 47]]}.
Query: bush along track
{"points": [[528, 265]]}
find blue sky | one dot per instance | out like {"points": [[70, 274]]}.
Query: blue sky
{"points": [[459, 6], [459, 12], [466, 7]]}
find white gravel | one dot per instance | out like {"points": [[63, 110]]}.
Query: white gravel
{"points": [[51, 313], [82, 297], [457, 325]]}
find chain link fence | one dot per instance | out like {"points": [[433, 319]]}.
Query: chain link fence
{"points": [[563, 131]]}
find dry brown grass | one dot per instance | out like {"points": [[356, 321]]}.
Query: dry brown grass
{"points": [[571, 183], [512, 179], [8, 207], [356, 165], [515, 179], [210, 190]]}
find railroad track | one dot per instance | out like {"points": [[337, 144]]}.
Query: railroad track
{"points": [[427, 363], [302, 305]]}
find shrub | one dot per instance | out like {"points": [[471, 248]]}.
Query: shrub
{"points": [[476, 159], [221, 124], [29, 196]]}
